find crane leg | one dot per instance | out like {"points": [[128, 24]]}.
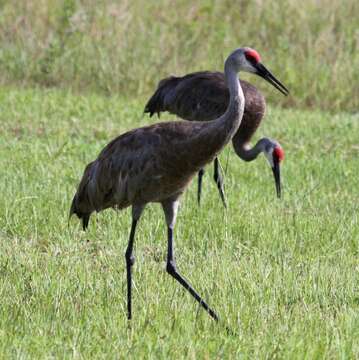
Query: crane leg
{"points": [[130, 259], [170, 210], [218, 178], [199, 191]]}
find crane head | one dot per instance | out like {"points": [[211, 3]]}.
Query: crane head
{"points": [[275, 155], [247, 59]]}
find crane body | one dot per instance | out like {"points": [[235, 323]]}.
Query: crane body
{"points": [[156, 164], [204, 96]]}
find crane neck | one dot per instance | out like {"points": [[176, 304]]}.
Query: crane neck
{"points": [[231, 78], [245, 152], [212, 136], [227, 125], [235, 108], [219, 132]]}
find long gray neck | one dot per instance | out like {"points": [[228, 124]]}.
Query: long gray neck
{"points": [[246, 153], [217, 133], [233, 116], [224, 128], [210, 137]]}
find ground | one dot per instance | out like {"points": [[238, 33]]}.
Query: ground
{"points": [[282, 274]]}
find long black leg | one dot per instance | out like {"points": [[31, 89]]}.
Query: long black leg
{"points": [[199, 191], [218, 178], [130, 259], [170, 208], [172, 270]]}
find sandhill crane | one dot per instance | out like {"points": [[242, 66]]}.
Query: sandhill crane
{"points": [[204, 96], [157, 162]]}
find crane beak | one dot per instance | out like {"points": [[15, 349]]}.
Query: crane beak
{"points": [[276, 173], [263, 72]]}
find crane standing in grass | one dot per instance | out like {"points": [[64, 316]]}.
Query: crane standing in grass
{"points": [[157, 162], [204, 96]]}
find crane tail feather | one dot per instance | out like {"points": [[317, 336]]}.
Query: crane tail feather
{"points": [[157, 103], [85, 221]]}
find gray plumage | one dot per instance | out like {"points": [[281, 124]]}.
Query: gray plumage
{"points": [[156, 164], [204, 96], [148, 164]]}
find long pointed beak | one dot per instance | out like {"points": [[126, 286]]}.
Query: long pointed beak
{"points": [[263, 72], [276, 173]]}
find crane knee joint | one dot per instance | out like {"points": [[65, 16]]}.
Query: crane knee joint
{"points": [[130, 259], [217, 176], [171, 267]]}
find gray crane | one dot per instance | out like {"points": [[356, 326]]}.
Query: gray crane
{"points": [[204, 96], [157, 162]]}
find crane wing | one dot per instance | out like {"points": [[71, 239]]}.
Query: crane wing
{"points": [[199, 96]]}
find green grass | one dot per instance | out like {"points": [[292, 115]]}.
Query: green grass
{"points": [[126, 47], [283, 275]]}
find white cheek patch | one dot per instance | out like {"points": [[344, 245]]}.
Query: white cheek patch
{"points": [[248, 67], [269, 156]]}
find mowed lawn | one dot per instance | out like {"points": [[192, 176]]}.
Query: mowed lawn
{"points": [[282, 274]]}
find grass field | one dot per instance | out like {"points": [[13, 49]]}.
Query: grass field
{"points": [[283, 275], [126, 46]]}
